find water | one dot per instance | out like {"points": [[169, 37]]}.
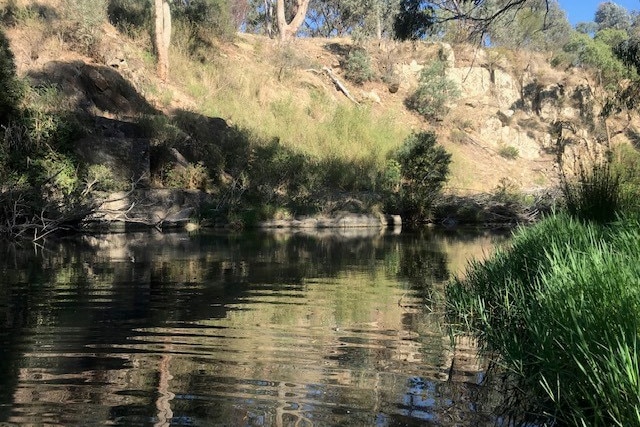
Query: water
{"points": [[155, 329]]}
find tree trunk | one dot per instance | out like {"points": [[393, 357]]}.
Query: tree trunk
{"points": [[289, 29], [162, 37]]}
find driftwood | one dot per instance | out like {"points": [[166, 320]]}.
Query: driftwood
{"points": [[339, 84]]}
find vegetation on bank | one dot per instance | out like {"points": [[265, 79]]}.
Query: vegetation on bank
{"points": [[559, 308]]}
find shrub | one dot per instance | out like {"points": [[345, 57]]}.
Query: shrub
{"points": [[131, 17], [434, 91], [10, 89], [357, 67], [509, 152], [424, 167]]}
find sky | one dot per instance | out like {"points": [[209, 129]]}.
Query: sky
{"points": [[585, 10]]}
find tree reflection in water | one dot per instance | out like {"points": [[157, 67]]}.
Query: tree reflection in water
{"points": [[222, 329]]}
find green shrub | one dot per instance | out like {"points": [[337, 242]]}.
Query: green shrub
{"points": [[132, 17], [509, 152], [10, 88], [357, 67], [434, 91], [424, 166], [194, 177]]}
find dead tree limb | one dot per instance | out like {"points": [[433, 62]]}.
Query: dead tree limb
{"points": [[339, 84]]}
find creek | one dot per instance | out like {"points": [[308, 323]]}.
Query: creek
{"points": [[253, 329]]}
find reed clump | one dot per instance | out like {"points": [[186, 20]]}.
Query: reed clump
{"points": [[560, 309]]}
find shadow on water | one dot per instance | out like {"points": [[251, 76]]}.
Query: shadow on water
{"points": [[225, 329]]}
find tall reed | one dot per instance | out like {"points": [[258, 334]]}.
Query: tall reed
{"points": [[561, 309]]}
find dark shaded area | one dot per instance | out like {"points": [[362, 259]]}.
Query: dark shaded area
{"points": [[93, 86], [41, 11], [634, 137]]}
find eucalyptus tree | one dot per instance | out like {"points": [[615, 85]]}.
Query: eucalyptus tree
{"points": [[612, 15], [162, 36], [327, 18], [541, 25], [418, 18]]}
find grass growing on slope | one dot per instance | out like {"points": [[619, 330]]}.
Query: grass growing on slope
{"points": [[561, 308]]}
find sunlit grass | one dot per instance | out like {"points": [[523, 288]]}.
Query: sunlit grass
{"points": [[561, 307], [308, 121]]}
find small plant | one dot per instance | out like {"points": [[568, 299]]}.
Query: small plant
{"points": [[193, 177], [357, 67], [509, 152], [434, 92]]}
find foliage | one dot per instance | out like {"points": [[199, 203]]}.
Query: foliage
{"points": [[331, 18], [413, 21], [540, 25], [559, 308], [132, 17], [434, 91], [424, 167], [10, 89], [598, 55], [509, 152], [357, 67], [610, 15], [193, 177]]}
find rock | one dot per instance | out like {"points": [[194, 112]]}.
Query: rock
{"points": [[151, 207], [128, 158], [371, 96], [447, 55]]}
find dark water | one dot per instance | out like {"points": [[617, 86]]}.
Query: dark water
{"points": [[233, 330]]}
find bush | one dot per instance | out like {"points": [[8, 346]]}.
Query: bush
{"points": [[424, 168], [509, 152], [357, 67], [434, 91], [131, 17], [10, 89]]}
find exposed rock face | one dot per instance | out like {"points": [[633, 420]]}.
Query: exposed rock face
{"points": [[128, 158], [151, 207]]}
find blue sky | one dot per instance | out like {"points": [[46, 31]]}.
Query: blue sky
{"points": [[584, 10]]}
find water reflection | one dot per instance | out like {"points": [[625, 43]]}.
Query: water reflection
{"points": [[253, 329]]}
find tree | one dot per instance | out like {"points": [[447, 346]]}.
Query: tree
{"points": [[417, 18], [328, 18], [298, 14], [541, 25], [611, 15], [162, 13]]}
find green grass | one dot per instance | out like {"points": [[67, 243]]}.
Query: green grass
{"points": [[561, 308]]}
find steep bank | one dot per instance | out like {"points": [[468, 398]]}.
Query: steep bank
{"points": [[260, 131]]}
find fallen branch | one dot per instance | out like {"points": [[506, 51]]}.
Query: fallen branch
{"points": [[339, 84]]}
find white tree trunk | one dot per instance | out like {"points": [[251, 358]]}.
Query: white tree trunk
{"points": [[162, 36], [289, 29]]}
